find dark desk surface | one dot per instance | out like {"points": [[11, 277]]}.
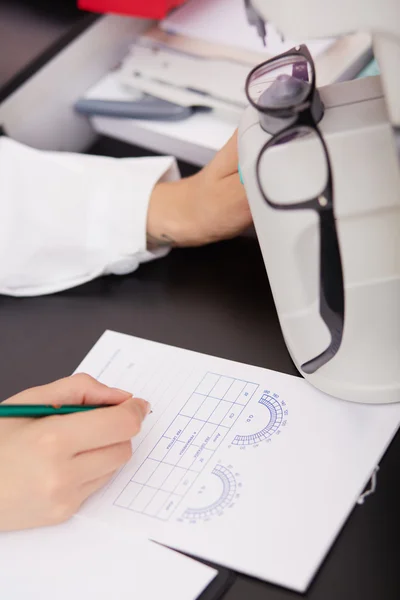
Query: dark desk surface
{"points": [[214, 300]]}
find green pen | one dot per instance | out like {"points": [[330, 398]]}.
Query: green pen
{"points": [[32, 411], [29, 411]]}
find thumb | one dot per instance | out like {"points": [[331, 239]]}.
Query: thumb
{"points": [[77, 389]]}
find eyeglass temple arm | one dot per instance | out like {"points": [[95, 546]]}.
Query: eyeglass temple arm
{"points": [[331, 290]]}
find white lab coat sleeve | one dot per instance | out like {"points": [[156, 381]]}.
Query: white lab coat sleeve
{"points": [[66, 219]]}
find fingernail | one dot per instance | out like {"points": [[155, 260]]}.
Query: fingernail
{"points": [[145, 407], [124, 392]]}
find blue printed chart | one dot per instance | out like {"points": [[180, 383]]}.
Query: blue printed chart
{"points": [[270, 411], [226, 490], [171, 468]]}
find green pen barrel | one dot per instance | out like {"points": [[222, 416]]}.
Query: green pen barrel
{"points": [[42, 410]]}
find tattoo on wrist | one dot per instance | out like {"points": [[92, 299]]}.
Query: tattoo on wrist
{"points": [[161, 241]]}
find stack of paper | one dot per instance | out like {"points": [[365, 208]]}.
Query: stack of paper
{"points": [[220, 28], [225, 22], [86, 560], [246, 467], [204, 52]]}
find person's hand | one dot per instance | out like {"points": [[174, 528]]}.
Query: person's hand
{"points": [[49, 466], [204, 208]]}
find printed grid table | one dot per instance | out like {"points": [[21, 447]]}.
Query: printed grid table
{"points": [[173, 465]]}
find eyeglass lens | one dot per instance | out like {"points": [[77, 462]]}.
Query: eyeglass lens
{"points": [[293, 168], [282, 83]]}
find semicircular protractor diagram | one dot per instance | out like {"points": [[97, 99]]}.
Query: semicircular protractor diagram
{"points": [[261, 420], [214, 497]]}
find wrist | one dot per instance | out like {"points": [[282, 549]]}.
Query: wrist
{"points": [[168, 218]]}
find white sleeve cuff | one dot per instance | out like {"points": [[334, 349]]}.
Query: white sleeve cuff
{"points": [[119, 212], [69, 218]]}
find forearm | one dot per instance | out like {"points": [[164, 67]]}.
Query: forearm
{"points": [[170, 214]]}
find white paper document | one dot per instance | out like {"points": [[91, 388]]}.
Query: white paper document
{"points": [[246, 467], [82, 559], [225, 22]]}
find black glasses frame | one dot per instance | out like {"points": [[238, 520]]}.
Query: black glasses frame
{"points": [[289, 111], [331, 294]]}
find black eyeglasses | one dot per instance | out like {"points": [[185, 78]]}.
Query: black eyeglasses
{"points": [[284, 93]]}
